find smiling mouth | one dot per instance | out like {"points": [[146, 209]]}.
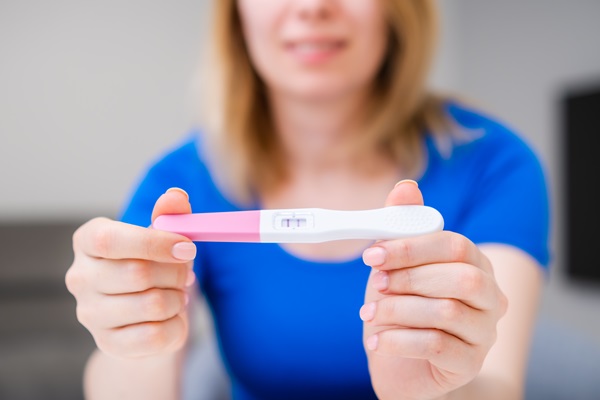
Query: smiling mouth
{"points": [[317, 50], [307, 47]]}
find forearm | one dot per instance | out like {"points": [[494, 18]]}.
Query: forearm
{"points": [[503, 374], [149, 378], [489, 388]]}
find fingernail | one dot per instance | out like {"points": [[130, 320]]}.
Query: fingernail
{"points": [[176, 189], [367, 312], [407, 181], [191, 277], [374, 256], [381, 280], [184, 251], [372, 342]]}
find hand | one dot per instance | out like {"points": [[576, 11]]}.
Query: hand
{"points": [[130, 282], [431, 308]]}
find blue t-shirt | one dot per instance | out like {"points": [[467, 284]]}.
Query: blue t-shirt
{"points": [[289, 328]]}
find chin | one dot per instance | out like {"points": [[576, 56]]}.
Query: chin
{"points": [[321, 89]]}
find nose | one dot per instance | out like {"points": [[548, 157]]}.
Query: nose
{"points": [[315, 9]]}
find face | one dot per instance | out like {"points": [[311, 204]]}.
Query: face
{"points": [[315, 48]]}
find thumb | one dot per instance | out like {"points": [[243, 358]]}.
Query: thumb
{"points": [[406, 192], [173, 201]]}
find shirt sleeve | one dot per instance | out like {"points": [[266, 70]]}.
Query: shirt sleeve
{"points": [[511, 204]]}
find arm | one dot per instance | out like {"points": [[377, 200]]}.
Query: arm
{"points": [[503, 373], [157, 377], [437, 324], [132, 287]]}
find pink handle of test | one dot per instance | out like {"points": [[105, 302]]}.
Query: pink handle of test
{"points": [[241, 226]]}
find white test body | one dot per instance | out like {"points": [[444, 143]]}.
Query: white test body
{"points": [[312, 225]]}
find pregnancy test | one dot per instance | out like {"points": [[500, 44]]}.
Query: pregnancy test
{"points": [[303, 225]]}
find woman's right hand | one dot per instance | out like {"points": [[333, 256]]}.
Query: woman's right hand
{"points": [[131, 282]]}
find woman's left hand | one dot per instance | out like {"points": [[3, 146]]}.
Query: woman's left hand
{"points": [[430, 314]]}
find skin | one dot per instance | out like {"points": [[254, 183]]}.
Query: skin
{"points": [[279, 36], [431, 309], [131, 294], [437, 316]]}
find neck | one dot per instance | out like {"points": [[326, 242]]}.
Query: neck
{"points": [[315, 133]]}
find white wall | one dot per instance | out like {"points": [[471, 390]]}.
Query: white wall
{"points": [[89, 92]]}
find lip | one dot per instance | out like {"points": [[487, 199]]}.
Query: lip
{"points": [[314, 50]]}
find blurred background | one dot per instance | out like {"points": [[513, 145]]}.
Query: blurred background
{"points": [[91, 92]]}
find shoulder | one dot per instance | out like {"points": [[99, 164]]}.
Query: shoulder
{"points": [[182, 155], [481, 142], [188, 164], [491, 186], [488, 148], [486, 131], [180, 165]]}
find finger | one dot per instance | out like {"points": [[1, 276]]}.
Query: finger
{"points": [[448, 315], [441, 349], [131, 276], [406, 192], [464, 282], [146, 339], [114, 311], [439, 247], [104, 238], [173, 201]]}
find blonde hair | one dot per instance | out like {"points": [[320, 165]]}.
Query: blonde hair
{"points": [[242, 143]]}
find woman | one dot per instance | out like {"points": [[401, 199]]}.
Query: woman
{"points": [[323, 103]]}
